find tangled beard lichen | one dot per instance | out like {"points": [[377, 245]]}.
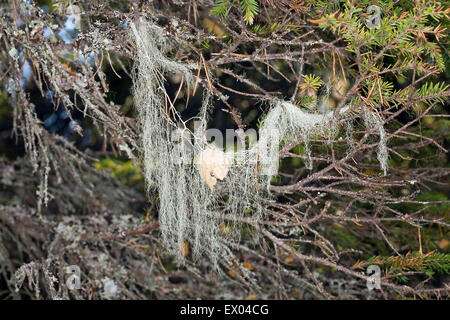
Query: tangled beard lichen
{"points": [[189, 210], [186, 205], [372, 120]]}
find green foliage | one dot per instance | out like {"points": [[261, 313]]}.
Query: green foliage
{"points": [[373, 89], [250, 9], [401, 33], [311, 81], [221, 9], [265, 29], [125, 171], [430, 263], [429, 89]]}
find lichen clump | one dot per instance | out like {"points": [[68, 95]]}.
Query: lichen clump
{"points": [[205, 188]]}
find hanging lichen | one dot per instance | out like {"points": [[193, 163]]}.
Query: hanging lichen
{"points": [[200, 187]]}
